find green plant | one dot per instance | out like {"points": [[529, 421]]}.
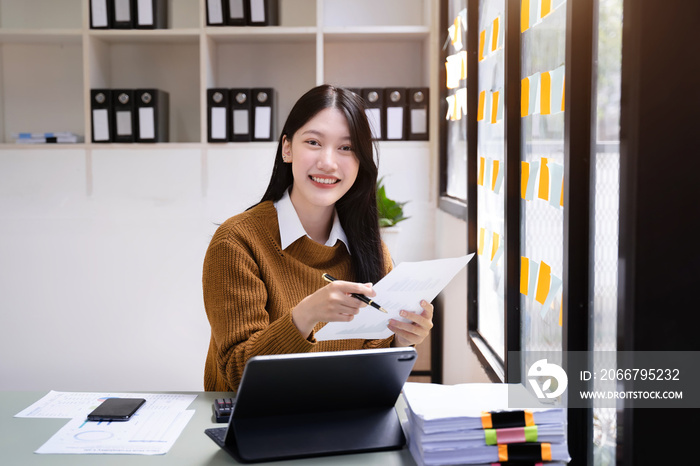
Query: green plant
{"points": [[390, 211]]}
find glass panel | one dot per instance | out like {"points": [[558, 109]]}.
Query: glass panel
{"points": [[543, 38], [456, 85], [490, 175], [605, 185]]}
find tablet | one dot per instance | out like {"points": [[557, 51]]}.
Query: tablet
{"points": [[314, 404]]}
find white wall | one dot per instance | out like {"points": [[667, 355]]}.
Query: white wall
{"points": [[101, 257], [101, 291]]}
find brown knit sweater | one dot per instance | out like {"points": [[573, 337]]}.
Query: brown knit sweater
{"points": [[250, 287]]}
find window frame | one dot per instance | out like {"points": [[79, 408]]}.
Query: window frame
{"points": [[449, 204], [578, 136]]}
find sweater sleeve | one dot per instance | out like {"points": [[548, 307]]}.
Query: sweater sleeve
{"points": [[235, 297]]}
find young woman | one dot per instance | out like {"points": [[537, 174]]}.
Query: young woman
{"points": [[262, 280]]}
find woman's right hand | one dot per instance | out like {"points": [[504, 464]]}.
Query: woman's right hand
{"points": [[332, 303]]}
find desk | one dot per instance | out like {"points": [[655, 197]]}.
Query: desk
{"points": [[20, 437]]}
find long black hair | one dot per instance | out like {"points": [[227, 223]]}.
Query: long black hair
{"points": [[357, 209]]}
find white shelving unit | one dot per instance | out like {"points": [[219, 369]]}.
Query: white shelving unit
{"points": [[50, 59], [116, 233]]}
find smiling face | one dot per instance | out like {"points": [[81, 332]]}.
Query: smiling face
{"points": [[324, 164]]}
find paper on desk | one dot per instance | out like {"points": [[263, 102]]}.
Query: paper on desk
{"points": [[77, 404], [402, 289], [151, 431], [147, 433], [439, 408]]}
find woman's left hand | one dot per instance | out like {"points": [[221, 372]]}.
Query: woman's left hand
{"points": [[415, 331]]}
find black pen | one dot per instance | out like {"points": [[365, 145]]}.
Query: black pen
{"points": [[361, 297]]}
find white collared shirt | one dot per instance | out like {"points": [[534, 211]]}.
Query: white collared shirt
{"points": [[291, 228]]}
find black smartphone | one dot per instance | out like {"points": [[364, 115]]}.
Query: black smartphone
{"points": [[116, 409]]}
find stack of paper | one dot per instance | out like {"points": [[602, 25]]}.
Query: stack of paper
{"points": [[469, 424]]}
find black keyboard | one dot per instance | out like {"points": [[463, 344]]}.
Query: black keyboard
{"points": [[223, 408]]}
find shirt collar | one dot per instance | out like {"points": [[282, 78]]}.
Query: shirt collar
{"points": [[291, 228]]}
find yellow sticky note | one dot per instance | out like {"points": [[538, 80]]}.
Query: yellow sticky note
{"points": [[561, 312], [457, 38], [563, 93], [494, 246], [546, 8], [482, 234], [561, 199], [482, 40], [494, 107], [545, 93], [482, 162], [525, 15], [524, 97], [494, 176], [524, 274], [543, 192], [494, 35], [544, 278], [480, 110], [524, 178]]}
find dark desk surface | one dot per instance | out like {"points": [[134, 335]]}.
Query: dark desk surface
{"points": [[20, 437]]}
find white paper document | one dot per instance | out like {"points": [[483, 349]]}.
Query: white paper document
{"points": [[151, 431], [402, 289], [148, 432], [79, 404]]}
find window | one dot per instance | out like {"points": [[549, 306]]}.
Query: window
{"points": [[490, 176], [453, 137], [529, 175], [542, 105], [605, 186]]}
